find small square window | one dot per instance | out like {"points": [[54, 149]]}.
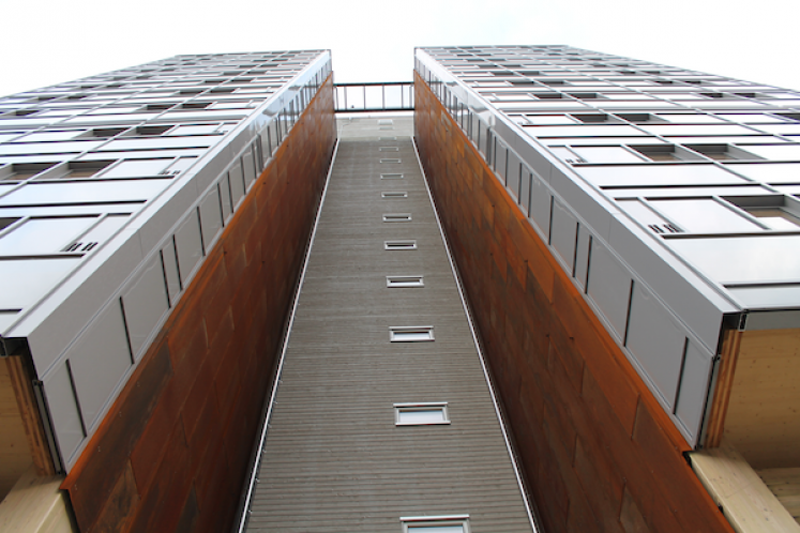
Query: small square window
{"points": [[394, 194], [411, 334], [400, 245], [404, 281], [392, 176], [436, 524], [421, 414], [397, 217]]}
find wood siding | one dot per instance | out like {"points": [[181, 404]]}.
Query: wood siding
{"points": [[599, 453], [172, 453], [334, 459]]}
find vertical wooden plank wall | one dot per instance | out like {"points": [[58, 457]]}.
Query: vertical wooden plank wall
{"points": [[598, 452], [172, 452]]}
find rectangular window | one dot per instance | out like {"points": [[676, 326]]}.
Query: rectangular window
{"points": [[392, 176], [397, 217], [411, 333], [436, 524], [420, 414], [388, 149], [386, 161], [404, 281], [400, 245], [394, 194]]}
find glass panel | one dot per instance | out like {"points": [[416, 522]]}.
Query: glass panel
{"points": [[762, 258], [43, 235], [435, 529], [776, 218], [420, 416], [638, 175], [85, 192], [607, 154], [704, 216], [25, 281]]}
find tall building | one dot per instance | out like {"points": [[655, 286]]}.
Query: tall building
{"points": [[623, 232]]}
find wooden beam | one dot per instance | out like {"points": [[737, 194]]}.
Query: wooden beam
{"points": [[745, 499], [22, 382], [722, 392], [35, 505]]}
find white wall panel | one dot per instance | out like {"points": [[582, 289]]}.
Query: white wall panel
{"points": [[609, 287], [189, 245], [63, 410], [99, 359], [145, 302], [656, 342]]}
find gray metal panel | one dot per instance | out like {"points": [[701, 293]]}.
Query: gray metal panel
{"points": [[210, 217], [63, 410], [525, 190], [189, 246], [145, 302], [694, 388], [171, 270], [236, 178], [248, 165], [540, 207], [225, 197], [563, 234], [609, 287], [657, 343], [513, 176], [582, 255], [99, 359], [334, 460]]}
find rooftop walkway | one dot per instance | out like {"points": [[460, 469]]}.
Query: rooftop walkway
{"points": [[367, 434]]}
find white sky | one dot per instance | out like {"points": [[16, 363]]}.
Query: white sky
{"points": [[49, 41]]}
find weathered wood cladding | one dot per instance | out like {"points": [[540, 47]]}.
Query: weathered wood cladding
{"points": [[599, 453], [172, 453]]}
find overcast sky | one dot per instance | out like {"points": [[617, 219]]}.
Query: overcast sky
{"points": [[47, 41]]}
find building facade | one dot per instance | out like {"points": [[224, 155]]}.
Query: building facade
{"points": [[624, 232]]}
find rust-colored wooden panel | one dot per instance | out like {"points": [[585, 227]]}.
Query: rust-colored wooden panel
{"points": [[106, 457], [598, 452], [123, 501], [172, 452]]}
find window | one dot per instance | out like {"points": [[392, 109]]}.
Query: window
{"points": [[397, 217], [84, 169], [662, 152], [436, 524], [386, 161], [421, 414], [404, 281], [400, 245], [394, 194], [388, 149], [392, 176], [23, 171], [721, 152], [411, 333], [776, 218]]}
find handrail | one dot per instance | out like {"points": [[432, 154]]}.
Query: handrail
{"points": [[377, 96]]}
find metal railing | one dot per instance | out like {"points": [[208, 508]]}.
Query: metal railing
{"points": [[380, 96]]}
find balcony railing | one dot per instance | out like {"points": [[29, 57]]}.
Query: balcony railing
{"points": [[364, 97]]}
